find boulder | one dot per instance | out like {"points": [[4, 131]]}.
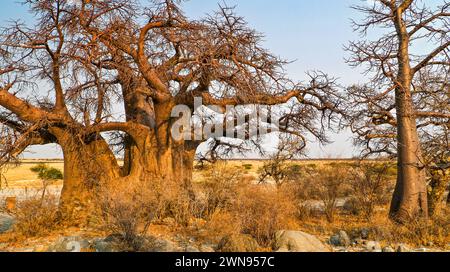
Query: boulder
{"points": [[388, 249], [364, 233], [237, 243], [100, 245], [298, 241], [6, 222], [403, 248], [340, 239], [373, 246], [160, 245], [70, 244]]}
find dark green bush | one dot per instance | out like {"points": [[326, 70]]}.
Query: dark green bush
{"points": [[47, 173]]}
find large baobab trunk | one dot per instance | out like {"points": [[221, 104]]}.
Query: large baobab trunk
{"points": [[159, 156], [87, 165], [410, 195]]}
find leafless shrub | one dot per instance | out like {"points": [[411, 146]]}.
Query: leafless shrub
{"points": [[262, 211], [369, 183], [36, 216], [329, 185], [128, 209], [220, 188]]}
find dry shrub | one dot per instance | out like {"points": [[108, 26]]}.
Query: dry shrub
{"points": [[219, 225], [328, 185], [36, 216], [262, 211], [425, 232], [174, 201], [220, 188], [369, 183], [127, 209], [232, 205]]}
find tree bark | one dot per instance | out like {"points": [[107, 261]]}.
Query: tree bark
{"points": [[87, 165], [410, 194], [159, 156]]}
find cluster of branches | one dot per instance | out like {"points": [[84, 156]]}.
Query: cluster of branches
{"points": [[69, 69]]}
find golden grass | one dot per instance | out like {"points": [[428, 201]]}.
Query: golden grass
{"points": [[21, 175]]}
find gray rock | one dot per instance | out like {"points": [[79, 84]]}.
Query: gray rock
{"points": [[70, 244], [100, 245], [237, 243], [365, 233], [388, 249], [6, 222], [403, 248], [422, 249], [161, 245], [298, 241], [373, 246], [340, 239]]}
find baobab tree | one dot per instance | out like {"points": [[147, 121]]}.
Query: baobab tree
{"points": [[94, 55], [408, 94]]}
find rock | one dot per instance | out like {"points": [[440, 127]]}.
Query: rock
{"points": [[373, 246], [298, 241], [422, 249], [161, 245], [237, 243], [191, 249], [388, 249], [207, 248], [70, 244], [10, 203], [364, 233], [40, 248], [100, 245], [358, 241], [6, 223], [340, 239], [403, 248]]}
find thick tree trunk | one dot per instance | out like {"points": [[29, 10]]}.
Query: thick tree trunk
{"points": [[87, 165], [159, 156], [410, 194]]}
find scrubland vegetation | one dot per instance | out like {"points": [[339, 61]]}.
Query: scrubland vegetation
{"points": [[320, 198]]}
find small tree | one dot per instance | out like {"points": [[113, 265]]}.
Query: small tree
{"points": [[278, 167], [47, 175]]}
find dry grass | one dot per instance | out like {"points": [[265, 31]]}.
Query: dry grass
{"points": [[229, 201], [21, 176]]}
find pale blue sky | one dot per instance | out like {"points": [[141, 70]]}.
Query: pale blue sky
{"points": [[312, 33]]}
